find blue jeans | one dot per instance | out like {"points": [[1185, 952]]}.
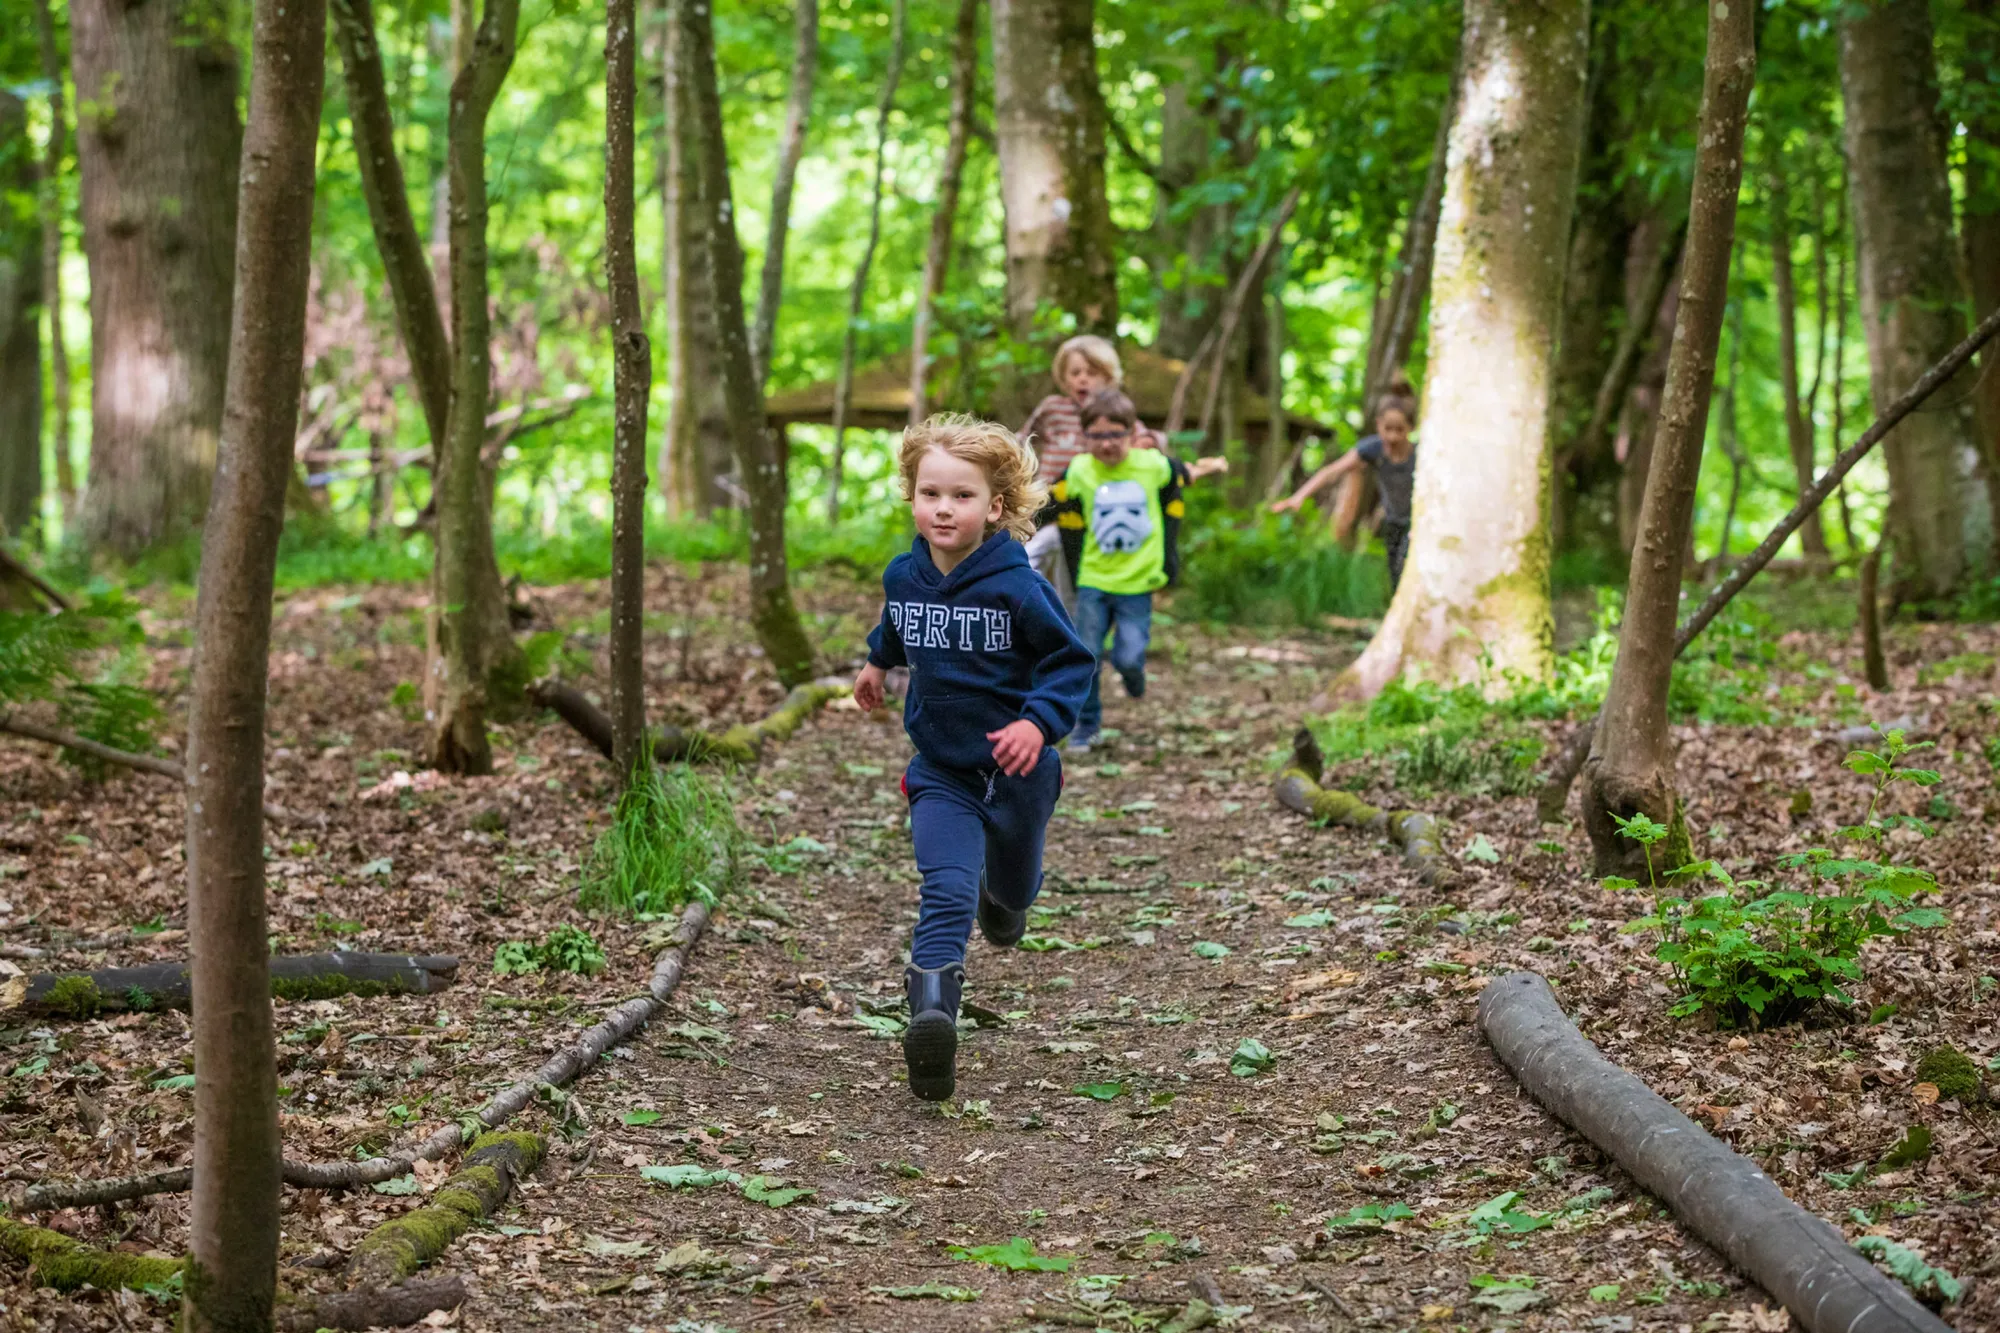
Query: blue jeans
{"points": [[968, 821], [1128, 618]]}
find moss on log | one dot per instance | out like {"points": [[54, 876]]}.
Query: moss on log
{"points": [[317, 976], [401, 1246], [54, 1260], [741, 744], [1412, 830]]}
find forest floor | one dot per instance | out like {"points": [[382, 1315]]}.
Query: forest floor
{"points": [[1240, 1042]]}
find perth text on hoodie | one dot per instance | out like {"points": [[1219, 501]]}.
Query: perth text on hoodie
{"points": [[967, 629]]}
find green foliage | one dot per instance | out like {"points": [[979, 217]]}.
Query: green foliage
{"points": [[673, 840], [1765, 954], [1932, 1284], [1436, 739], [567, 948], [1270, 570], [1016, 1256], [84, 661], [1952, 1072]]}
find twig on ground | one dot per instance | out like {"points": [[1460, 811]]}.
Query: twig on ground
{"points": [[1412, 830], [743, 744]]}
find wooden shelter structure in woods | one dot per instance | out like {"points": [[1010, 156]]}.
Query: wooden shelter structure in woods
{"points": [[882, 397]]}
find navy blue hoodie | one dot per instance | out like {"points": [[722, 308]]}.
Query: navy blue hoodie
{"points": [[987, 644]]}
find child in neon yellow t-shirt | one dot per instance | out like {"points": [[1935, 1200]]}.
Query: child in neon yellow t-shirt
{"points": [[1120, 509]]}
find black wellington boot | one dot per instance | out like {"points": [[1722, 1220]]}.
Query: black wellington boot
{"points": [[1001, 926], [930, 1043]]}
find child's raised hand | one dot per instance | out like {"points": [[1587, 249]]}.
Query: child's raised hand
{"points": [[1017, 747], [1289, 505], [868, 688]]}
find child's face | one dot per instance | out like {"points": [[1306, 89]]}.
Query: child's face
{"points": [[1109, 441], [1080, 379], [1394, 428], [953, 503]]}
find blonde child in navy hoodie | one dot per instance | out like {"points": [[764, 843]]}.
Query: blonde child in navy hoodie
{"points": [[997, 674]]}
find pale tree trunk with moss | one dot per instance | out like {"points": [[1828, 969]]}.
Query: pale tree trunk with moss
{"points": [[233, 1222], [1911, 296], [1630, 771], [1474, 599]]}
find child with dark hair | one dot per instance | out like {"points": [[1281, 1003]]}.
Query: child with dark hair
{"points": [[1119, 508], [1392, 456]]}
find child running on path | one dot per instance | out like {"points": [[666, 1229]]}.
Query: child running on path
{"points": [[1390, 452], [996, 677], [1119, 508]]}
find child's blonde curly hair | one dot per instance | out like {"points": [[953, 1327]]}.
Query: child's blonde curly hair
{"points": [[989, 446]]}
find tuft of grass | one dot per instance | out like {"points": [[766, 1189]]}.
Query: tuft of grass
{"points": [[673, 840], [1272, 570]]}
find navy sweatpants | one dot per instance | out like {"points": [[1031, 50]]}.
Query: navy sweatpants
{"points": [[967, 820]]}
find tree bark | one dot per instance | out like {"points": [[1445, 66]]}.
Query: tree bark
{"points": [[1640, 412], [1189, 241], [20, 328], [857, 292], [157, 155], [1630, 769], [412, 290], [1412, 283], [798, 110], [1048, 122], [1980, 226], [1475, 594], [944, 213], [758, 458], [632, 378], [1911, 298], [52, 251], [469, 605], [1798, 426], [233, 1225]]}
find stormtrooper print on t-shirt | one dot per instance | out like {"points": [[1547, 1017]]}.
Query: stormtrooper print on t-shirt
{"points": [[1119, 517]]}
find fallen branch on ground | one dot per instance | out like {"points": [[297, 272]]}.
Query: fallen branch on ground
{"points": [[1719, 1195], [313, 976], [54, 1260], [617, 1027], [1412, 830], [399, 1247], [741, 744], [144, 763], [16, 573], [1577, 749]]}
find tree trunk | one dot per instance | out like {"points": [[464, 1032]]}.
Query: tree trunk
{"points": [[52, 250], [1980, 226], [1630, 769], [1188, 241], [157, 149], [1474, 598], [758, 458], [411, 288], [798, 109], [20, 328], [1726, 436], [1641, 415], [233, 1224], [469, 605], [944, 214], [1910, 293], [1048, 117], [857, 292], [1412, 283], [1798, 426], [632, 378]]}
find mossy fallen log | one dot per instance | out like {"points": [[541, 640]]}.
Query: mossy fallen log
{"points": [[399, 1247], [313, 976], [1412, 830], [55, 1260], [741, 744]]}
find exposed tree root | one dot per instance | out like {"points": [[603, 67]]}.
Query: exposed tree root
{"points": [[54, 1260], [617, 1027], [316, 976], [738, 745], [169, 769], [399, 1247], [375, 1307], [1412, 830]]}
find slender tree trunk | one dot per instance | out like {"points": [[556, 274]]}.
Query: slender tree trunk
{"points": [[1630, 769], [1798, 427], [857, 292], [632, 378], [1412, 282], [1911, 299], [798, 110], [469, 605], [411, 289], [1189, 241], [157, 149], [1641, 412], [1475, 594], [758, 456], [1840, 382], [944, 214], [20, 328], [1269, 462], [1980, 226], [1726, 437], [381, 483], [1592, 452], [1049, 127], [52, 251], [233, 1223]]}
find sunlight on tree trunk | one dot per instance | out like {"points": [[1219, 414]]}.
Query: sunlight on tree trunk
{"points": [[1474, 600], [1798, 427], [1630, 769], [1910, 292], [20, 329], [632, 377], [233, 1223], [52, 253], [758, 457], [798, 111], [944, 211], [157, 87]]}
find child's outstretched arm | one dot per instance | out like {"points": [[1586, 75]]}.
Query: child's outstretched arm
{"points": [[1207, 467], [1319, 480]]}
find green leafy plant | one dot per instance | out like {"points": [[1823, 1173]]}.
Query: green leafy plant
{"points": [[85, 661], [1016, 1256], [1932, 1284], [567, 948], [673, 840], [1762, 953]]}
